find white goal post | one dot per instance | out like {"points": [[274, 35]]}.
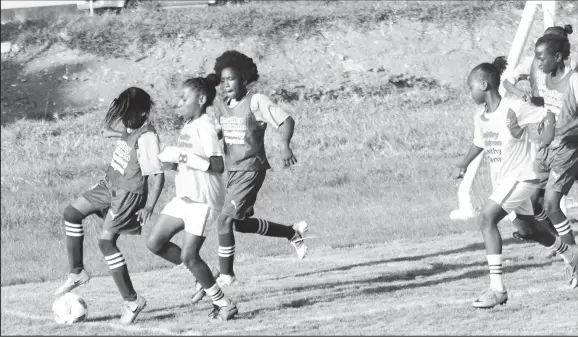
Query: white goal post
{"points": [[466, 209]]}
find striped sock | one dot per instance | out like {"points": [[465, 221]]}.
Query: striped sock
{"points": [[563, 228], [119, 270], [74, 246], [263, 227], [561, 249], [217, 296], [495, 265], [226, 259]]}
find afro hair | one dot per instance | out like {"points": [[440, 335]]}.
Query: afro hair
{"points": [[239, 61]]}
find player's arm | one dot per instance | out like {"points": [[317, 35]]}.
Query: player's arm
{"points": [[512, 89], [108, 132], [547, 130], [458, 170], [151, 167], [269, 112]]}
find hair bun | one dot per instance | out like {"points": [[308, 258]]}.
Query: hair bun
{"points": [[568, 29], [213, 80]]}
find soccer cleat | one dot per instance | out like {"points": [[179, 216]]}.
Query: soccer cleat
{"points": [[572, 268], [131, 309], [226, 280], [223, 313], [73, 281], [199, 294], [297, 240], [490, 298], [550, 254]]}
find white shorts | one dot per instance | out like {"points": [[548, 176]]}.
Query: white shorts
{"points": [[198, 217], [514, 196]]}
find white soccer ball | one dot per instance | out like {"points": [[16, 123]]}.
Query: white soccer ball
{"points": [[69, 308]]}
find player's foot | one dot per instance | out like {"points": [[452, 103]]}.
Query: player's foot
{"points": [[490, 298], [550, 254], [226, 280], [73, 281], [131, 309], [223, 313], [572, 268], [297, 240], [199, 293]]}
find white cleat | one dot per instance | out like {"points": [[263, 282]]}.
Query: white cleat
{"points": [[226, 280], [73, 281], [297, 240], [572, 268]]}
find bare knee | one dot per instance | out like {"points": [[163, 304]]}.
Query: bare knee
{"points": [[190, 257], [485, 221], [154, 245], [72, 215], [552, 205], [225, 224]]}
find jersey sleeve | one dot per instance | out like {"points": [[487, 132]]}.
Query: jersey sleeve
{"points": [[266, 111], [148, 154], [525, 113], [478, 137], [573, 87], [210, 140]]}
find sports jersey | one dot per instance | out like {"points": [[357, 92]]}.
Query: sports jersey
{"points": [[200, 137], [135, 156], [506, 143], [243, 124], [561, 97]]}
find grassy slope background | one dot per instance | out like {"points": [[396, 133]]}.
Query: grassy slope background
{"points": [[377, 90]]}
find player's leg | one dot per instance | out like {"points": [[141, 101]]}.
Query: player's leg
{"points": [[506, 198], [168, 224], [564, 168], [199, 220], [253, 181], [91, 202], [122, 219], [488, 219]]}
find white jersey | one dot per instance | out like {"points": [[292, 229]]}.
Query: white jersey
{"points": [[200, 136], [504, 136]]}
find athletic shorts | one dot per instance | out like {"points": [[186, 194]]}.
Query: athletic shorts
{"points": [[122, 206], [199, 218], [558, 168], [242, 190], [514, 196]]}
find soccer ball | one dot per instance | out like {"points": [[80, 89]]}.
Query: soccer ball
{"points": [[69, 308]]}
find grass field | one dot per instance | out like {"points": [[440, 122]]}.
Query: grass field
{"points": [[399, 287], [377, 91]]}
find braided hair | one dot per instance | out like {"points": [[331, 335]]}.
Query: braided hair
{"points": [[129, 107]]}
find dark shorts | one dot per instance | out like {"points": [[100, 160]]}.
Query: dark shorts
{"points": [[242, 190], [558, 168], [119, 207]]}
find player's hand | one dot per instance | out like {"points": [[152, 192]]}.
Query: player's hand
{"points": [[457, 172], [110, 133], [170, 154], [287, 156], [144, 215]]}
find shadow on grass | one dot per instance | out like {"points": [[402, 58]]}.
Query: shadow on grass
{"points": [[145, 312], [330, 296], [468, 248], [39, 95]]}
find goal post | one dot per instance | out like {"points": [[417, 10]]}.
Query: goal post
{"points": [[466, 208]]}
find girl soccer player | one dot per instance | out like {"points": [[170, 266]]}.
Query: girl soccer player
{"points": [[529, 70], [537, 83], [499, 130], [557, 162], [200, 192], [124, 193], [243, 118]]}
